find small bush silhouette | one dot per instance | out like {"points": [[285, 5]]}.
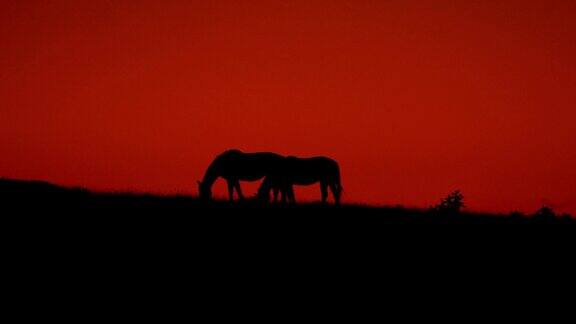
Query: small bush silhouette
{"points": [[453, 203], [566, 218], [545, 214], [517, 216]]}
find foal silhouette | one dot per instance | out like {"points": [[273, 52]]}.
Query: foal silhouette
{"points": [[235, 166], [303, 171]]}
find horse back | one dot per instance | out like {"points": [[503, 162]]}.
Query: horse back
{"points": [[249, 165], [312, 169]]}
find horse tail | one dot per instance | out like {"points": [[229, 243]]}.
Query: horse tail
{"points": [[338, 182], [340, 189]]}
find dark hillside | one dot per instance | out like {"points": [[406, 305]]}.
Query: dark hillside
{"points": [[42, 198]]}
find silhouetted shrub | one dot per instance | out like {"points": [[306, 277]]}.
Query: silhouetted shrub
{"points": [[565, 218], [545, 214], [452, 203], [517, 216]]}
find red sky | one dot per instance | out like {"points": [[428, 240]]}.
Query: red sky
{"points": [[413, 98]]}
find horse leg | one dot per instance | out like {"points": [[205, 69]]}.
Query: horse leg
{"points": [[285, 194], [238, 190], [231, 189], [291, 196], [324, 190], [264, 190], [276, 191], [335, 188]]}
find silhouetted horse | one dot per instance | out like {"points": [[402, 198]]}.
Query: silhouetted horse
{"points": [[235, 166], [303, 171]]}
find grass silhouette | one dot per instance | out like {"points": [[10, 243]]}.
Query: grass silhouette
{"points": [[45, 198]]}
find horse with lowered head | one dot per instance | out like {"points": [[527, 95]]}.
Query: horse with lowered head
{"points": [[303, 171], [235, 166]]}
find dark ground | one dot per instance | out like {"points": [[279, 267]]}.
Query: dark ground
{"points": [[184, 228], [42, 198], [100, 242]]}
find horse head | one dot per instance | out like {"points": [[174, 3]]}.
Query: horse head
{"points": [[204, 190], [264, 193]]}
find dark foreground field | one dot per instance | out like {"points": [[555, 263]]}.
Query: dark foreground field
{"points": [[54, 232], [45, 199], [116, 249]]}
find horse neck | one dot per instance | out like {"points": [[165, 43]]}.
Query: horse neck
{"points": [[211, 174]]}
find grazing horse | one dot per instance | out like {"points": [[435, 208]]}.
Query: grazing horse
{"points": [[235, 166], [303, 171]]}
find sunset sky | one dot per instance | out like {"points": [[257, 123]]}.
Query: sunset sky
{"points": [[413, 98]]}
